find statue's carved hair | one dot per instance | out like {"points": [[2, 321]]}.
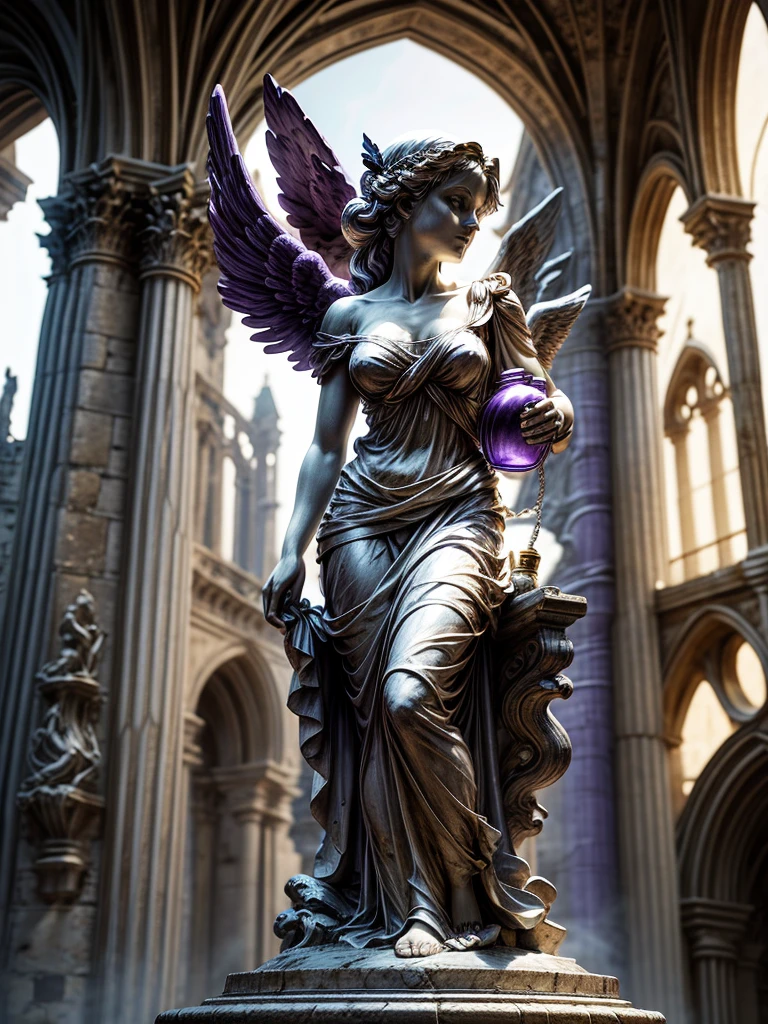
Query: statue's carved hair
{"points": [[396, 181]]}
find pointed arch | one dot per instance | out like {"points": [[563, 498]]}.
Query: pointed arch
{"points": [[702, 637], [247, 700], [663, 173], [717, 75]]}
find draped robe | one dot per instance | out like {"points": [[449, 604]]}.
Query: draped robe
{"points": [[393, 677]]}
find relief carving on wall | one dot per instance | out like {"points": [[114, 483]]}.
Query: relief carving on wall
{"points": [[60, 796]]}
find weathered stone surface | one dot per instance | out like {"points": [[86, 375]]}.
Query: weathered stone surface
{"points": [[90, 438], [82, 542], [336, 983], [106, 392], [83, 489], [94, 351]]}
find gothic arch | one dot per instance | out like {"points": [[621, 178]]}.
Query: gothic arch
{"points": [[703, 636], [470, 39], [662, 175], [723, 833], [251, 703], [717, 75]]}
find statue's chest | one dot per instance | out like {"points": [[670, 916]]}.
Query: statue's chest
{"points": [[457, 360]]}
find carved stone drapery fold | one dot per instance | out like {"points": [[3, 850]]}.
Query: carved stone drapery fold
{"points": [[60, 795]]}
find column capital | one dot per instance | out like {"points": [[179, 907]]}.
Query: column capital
{"points": [[176, 239], [94, 216], [714, 927], [631, 319], [721, 226]]}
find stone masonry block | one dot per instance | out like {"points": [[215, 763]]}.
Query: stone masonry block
{"points": [[83, 489], [52, 940], [91, 436], [114, 546], [121, 432], [118, 463], [112, 313], [82, 542], [94, 351], [105, 392], [112, 496]]}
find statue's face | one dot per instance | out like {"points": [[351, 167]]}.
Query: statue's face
{"points": [[444, 223]]}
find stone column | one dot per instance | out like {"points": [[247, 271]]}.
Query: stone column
{"points": [[249, 815], [578, 508], [140, 909], [71, 505], [721, 226], [711, 413], [715, 930], [679, 437], [646, 832]]}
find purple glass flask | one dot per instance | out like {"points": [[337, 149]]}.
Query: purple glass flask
{"points": [[501, 437]]}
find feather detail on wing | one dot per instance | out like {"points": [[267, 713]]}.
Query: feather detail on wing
{"points": [[284, 288], [550, 322], [525, 246], [314, 187]]}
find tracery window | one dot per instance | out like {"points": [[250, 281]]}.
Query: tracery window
{"points": [[706, 514], [730, 691]]}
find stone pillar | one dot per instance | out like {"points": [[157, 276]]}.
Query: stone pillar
{"points": [[646, 832], [249, 816], [70, 515], [686, 516], [711, 413], [715, 930], [578, 507], [140, 909], [265, 439], [721, 226]]}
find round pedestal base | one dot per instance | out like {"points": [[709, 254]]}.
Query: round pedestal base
{"points": [[335, 984]]}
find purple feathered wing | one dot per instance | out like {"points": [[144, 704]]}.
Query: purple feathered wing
{"points": [[314, 186], [283, 288]]}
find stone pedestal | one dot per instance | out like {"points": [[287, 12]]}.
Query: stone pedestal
{"points": [[331, 984]]}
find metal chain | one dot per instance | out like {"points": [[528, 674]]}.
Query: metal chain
{"points": [[536, 510]]}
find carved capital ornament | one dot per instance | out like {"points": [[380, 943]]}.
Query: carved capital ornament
{"points": [[721, 226], [631, 319]]}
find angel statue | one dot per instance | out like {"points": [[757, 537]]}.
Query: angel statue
{"points": [[392, 676]]}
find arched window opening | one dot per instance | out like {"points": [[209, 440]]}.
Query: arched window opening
{"points": [[717, 687], [752, 151], [29, 170], [238, 849], [706, 728], [705, 509]]}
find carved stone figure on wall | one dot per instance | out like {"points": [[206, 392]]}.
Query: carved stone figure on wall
{"points": [[394, 677], [60, 793]]}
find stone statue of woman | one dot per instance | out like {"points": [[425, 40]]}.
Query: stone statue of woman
{"points": [[393, 675]]}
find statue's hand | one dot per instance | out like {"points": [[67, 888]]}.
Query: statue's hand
{"points": [[284, 585], [545, 421]]}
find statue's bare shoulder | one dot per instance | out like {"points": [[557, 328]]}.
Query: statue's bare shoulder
{"points": [[342, 317]]}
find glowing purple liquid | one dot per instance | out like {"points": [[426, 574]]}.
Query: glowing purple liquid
{"points": [[501, 437]]}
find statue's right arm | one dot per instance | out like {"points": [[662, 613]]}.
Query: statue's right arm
{"points": [[317, 478]]}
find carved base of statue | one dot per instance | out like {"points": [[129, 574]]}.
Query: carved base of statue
{"points": [[333, 984]]}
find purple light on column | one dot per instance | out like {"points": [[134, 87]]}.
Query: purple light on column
{"points": [[501, 436]]}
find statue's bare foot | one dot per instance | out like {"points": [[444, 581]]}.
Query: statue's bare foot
{"points": [[473, 935], [419, 940]]}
